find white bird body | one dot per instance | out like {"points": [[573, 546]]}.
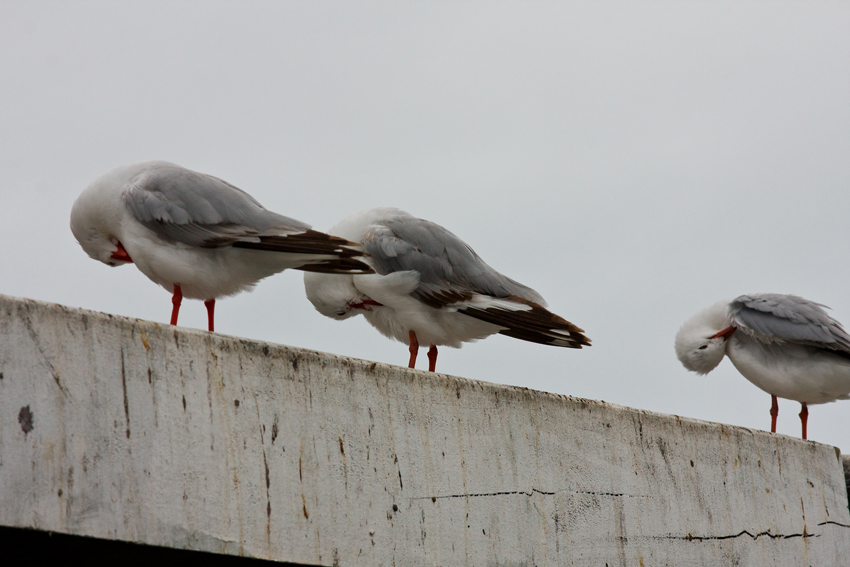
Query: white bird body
{"points": [[785, 345], [400, 313], [202, 273], [431, 288], [196, 233], [797, 372]]}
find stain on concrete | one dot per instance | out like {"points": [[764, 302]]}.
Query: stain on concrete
{"points": [[126, 400], [25, 418], [145, 339]]}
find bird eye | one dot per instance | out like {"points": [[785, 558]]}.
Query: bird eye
{"points": [[703, 347], [340, 313]]}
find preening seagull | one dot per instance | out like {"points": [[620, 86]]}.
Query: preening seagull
{"points": [[786, 345], [196, 235], [431, 288]]}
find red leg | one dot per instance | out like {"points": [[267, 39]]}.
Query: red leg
{"points": [[176, 300], [414, 350], [774, 411], [804, 418], [210, 305], [432, 358]]}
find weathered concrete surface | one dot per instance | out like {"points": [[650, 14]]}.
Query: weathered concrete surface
{"points": [[845, 460], [131, 430]]}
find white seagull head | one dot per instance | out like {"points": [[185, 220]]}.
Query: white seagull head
{"points": [[334, 295], [701, 342], [95, 218]]}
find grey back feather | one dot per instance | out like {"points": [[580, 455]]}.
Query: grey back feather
{"points": [[182, 205], [449, 268], [774, 317]]}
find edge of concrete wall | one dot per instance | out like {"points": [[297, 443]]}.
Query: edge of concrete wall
{"points": [[127, 429]]}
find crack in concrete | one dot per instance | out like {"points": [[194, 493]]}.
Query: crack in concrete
{"points": [[834, 524], [36, 339], [528, 493], [767, 533]]}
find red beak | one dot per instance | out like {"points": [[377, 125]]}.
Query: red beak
{"points": [[365, 304], [121, 254], [725, 333]]}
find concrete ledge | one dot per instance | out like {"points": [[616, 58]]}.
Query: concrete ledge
{"points": [[130, 430]]}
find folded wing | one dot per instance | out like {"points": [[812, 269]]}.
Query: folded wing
{"points": [[778, 318], [196, 209], [454, 277]]}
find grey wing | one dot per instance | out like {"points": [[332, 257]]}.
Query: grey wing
{"points": [[449, 269], [200, 210], [774, 317], [450, 272]]}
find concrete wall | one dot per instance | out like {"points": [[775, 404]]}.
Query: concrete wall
{"points": [[132, 430]]}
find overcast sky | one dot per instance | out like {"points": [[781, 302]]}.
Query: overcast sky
{"points": [[633, 162]]}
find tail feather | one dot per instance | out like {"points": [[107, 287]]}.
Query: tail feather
{"points": [[308, 242], [338, 266], [342, 254], [536, 325]]}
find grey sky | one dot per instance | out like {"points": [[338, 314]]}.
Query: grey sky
{"points": [[633, 162]]}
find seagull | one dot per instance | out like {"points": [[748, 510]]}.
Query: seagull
{"points": [[196, 235], [786, 345], [431, 288]]}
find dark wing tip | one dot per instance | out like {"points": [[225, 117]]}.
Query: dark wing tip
{"points": [[338, 266], [341, 260], [536, 325], [307, 242]]}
